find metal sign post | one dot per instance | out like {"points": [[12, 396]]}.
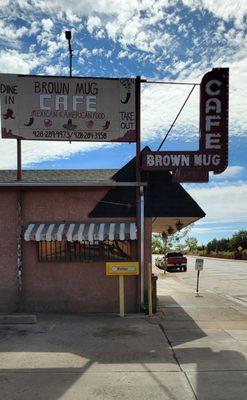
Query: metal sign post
{"points": [[121, 295], [121, 269], [150, 291], [198, 268]]}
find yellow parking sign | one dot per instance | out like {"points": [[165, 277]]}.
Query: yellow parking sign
{"points": [[122, 268]]}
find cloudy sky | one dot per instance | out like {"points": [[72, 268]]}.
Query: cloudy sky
{"points": [[159, 40]]}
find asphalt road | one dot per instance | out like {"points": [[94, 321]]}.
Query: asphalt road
{"points": [[227, 278]]}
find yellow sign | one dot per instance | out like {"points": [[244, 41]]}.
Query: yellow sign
{"points": [[122, 268], [240, 248]]}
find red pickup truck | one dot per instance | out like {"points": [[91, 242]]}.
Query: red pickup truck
{"points": [[173, 261]]}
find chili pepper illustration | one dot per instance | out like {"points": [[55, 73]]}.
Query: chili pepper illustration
{"points": [[106, 126], [31, 120], [89, 124], [47, 123], [127, 98], [9, 114], [69, 125]]}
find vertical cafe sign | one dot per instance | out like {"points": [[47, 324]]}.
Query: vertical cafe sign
{"points": [[70, 109], [194, 166]]}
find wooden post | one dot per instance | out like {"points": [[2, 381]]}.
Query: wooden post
{"points": [[19, 167], [150, 300], [121, 295]]}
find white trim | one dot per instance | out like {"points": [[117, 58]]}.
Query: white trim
{"points": [[60, 232], [49, 232], [90, 232], [122, 231], [70, 232], [111, 231], [28, 232], [101, 232], [132, 231], [80, 236], [38, 232]]}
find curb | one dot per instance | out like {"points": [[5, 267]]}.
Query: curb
{"points": [[7, 319]]}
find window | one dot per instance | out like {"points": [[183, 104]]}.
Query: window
{"points": [[86, 251]]}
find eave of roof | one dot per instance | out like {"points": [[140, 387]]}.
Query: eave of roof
{"points": [[63, 178], [71, 184]]}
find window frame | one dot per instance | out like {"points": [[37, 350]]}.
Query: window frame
{"points": [[89, 252]]}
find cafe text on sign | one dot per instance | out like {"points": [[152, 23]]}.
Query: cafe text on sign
{"points": [[213, 142]]}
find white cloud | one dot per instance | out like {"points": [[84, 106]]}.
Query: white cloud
{"points": [[160, 103], [93, 23], [230, 173], [85, 52], [34, 152], [226, 9], [97, 52], [122, 54], [144, 31], [11, 61], [224, 203], [47, 24], [198, 229]]}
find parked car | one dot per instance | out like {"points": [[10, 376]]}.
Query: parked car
{"points": [[175, 261], [160, 263]]}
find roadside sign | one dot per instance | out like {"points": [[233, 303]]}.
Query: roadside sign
{"points": [[199, 264], [122, 268], [69, 109], [240, 248], [194, 166]]}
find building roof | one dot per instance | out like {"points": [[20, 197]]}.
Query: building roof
{"points": [[63, 178], [58, 175], [163, 198], [166, 202]]}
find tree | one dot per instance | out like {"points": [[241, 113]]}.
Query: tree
{"points": [[191, 243], [239, 239], [212, 246], [163, 242]]}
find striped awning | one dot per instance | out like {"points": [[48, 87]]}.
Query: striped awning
{"points": [[80, 231]]}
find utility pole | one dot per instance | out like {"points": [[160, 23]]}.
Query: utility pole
{"points": [[68, 37]]}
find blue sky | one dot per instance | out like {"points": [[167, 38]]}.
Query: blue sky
{"points": [[162, 39]]}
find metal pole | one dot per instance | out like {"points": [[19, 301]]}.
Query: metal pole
{"points": [[121, 295], [197, 282], [68, 37], [19, 169], [142, 243], [70, 59], [172, 125], [19, 250], [150, 291], [138, 180]]}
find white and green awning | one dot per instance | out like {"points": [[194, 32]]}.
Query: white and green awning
{"points": [[80, 231]]}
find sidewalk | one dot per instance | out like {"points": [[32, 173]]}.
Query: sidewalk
{"points": [[195, 348], [208, 335]]}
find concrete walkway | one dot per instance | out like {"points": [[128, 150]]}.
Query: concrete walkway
{"points": [[195, 348], [89, 357], [208, 335]]}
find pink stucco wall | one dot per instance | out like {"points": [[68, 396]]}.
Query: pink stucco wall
{"points": [[58, 287], [8, 248]]}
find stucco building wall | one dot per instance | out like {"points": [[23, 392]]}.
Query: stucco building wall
{"points": [[58, 286], [8, 249]]}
